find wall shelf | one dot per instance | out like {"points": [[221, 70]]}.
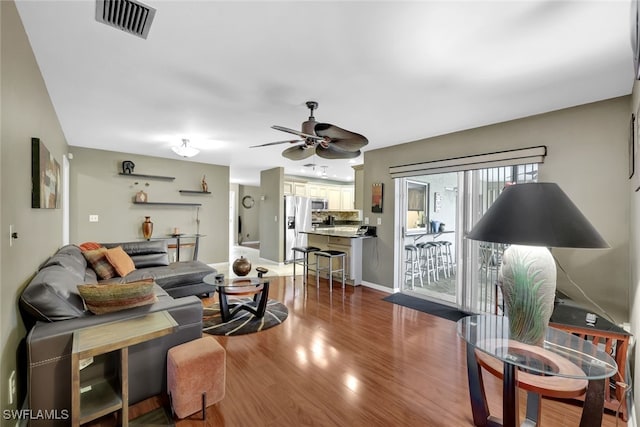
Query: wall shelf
{"points": [[138, 175], [194, 192], [167, 204]]}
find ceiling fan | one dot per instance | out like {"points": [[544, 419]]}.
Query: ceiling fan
{"points": [[324, 139]]}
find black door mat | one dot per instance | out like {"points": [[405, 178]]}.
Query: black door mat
{"points": [[425, 306]]}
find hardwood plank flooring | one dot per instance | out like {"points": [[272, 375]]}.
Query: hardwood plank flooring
{"points": [[351, 360]]}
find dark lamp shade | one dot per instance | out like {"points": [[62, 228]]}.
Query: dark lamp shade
{"points": [[536, 214]]}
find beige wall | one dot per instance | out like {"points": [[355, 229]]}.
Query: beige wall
{"points": [[26, 112], [250, 217], [587, 157], [97, 189], [358, 187], [634, 257], [271, 214]]}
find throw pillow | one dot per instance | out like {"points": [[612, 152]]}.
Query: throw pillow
{"points": [[98, 260], [101, 299], [89, 246], [120, 260]]}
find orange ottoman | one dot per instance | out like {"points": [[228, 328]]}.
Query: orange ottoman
{"points": [[196, 372]]}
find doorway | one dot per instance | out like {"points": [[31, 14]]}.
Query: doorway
{"points": [[436, 261], [429, 236]]}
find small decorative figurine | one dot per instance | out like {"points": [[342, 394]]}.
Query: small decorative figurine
{"points": [[127, 167], [141, 197], [205, 186]]}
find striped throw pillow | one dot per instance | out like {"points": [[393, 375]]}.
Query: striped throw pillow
{"points": [[101, 299], [97, 258]]}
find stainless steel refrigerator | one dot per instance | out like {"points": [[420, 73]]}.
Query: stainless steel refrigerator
{"points": [[297, 218]]}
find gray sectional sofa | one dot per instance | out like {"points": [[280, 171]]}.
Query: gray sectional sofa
{"points": [[52, 310]]}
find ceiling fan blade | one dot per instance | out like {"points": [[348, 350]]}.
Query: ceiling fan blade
{"points": [[346, 140], [333, 152], [298, 152], [277, 142], [296, 132]]}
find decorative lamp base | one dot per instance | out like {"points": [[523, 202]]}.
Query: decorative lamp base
{"points": [[528, 280]]}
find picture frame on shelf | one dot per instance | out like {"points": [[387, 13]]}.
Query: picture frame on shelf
{"points": [[45, 177]]}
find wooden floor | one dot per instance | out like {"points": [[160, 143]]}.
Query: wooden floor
{"points": [[351, 360]]}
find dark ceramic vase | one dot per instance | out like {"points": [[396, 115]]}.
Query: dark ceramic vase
{"points": [[241, 266]]}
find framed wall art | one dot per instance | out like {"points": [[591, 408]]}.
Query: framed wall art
{"points": [[632, 148], [634, 153], [376, 198], [45, 177]]}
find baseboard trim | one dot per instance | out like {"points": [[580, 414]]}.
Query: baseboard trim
{"points": [[379, 287]]}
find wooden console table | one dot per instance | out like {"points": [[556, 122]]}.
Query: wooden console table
{"points": [[104, 397], [615, 340]]}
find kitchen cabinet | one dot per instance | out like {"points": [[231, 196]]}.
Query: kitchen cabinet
{"points": [[334, 196], [299, 189], [288, 188], [346, 200], [351, 246], [340, 197], [317, 191]]}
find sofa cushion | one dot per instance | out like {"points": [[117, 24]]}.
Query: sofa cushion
{"points": [[52, 295], [89, 246], [97, 258], [120, 260], [69, 257], [107, 298], [181, 273], [145, 253]]}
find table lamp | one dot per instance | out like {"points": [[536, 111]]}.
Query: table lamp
{"points": [[531, 218]]}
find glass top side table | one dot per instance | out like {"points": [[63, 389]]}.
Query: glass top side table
{"points": [[258, 287], [562, 355]]}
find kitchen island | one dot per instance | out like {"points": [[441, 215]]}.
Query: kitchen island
{"points": [[342, 239]]}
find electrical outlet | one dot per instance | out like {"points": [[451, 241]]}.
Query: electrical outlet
{"points": [[379, 221], [12, 387], [366, 220], [94, 218]]}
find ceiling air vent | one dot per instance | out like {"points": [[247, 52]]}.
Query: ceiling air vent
{"points": [[126, 15]]}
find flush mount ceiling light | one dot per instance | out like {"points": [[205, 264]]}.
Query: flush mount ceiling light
{"points": [[184, 150]]}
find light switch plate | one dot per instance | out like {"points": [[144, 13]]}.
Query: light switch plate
{"points": [[93, 218], [379, 221]]}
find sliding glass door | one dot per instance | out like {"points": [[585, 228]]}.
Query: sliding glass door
{"points": [[437, 262]]}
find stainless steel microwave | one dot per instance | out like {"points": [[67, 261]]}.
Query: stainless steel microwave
{"points": [[319, 204]]}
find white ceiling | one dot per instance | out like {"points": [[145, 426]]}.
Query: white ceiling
{"points": [[221, 73]]}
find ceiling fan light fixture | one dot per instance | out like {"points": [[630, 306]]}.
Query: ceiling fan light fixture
{"points": [[184, 150]]}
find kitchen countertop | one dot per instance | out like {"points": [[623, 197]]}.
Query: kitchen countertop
{"points": [[349, 232]]}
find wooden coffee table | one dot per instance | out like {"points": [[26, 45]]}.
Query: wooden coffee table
{"points": [[247, 286]]}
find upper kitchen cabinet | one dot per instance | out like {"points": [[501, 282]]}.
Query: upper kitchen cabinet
{"points": [[317, 191], [334, 196], [347, 201], [295, 188], [339, 197]]}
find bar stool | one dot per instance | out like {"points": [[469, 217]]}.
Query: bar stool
{"points": [[330, 255], [448, 257], [440, 260], [428, 261], [412, 265], [304, 261]]}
